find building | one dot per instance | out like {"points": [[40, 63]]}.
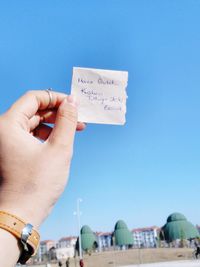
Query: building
{"points": [[67, 242], [65, 253], [66, 247], [104, 240], [44, 249], [145, 237]]}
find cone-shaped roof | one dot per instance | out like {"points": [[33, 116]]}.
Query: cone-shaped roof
{"points": [[177, 227], [122, 234]]}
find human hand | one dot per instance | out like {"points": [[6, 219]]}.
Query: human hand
{"points": [[33, 174]]}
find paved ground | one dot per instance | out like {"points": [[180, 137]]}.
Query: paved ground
{"points": [[185, 263], [190, 263], [137, 257]]}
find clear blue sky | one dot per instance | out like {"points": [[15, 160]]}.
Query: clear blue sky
{"points": [[150, 167]]}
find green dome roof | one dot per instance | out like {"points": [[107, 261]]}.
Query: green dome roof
{"points": [[122, 235], [85, 229], [120, 225], [176, 217], [177, 227], [88, 238]]}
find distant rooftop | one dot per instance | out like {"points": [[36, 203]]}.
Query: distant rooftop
{"points": [[146, 229], [46, 241], [67, 238], [103, 233]]}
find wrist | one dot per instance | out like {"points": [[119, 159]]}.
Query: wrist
{"points": [[28, 238], [10, 249], [27, 209], [24, 213]]}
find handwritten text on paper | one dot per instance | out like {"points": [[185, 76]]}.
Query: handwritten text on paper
{"points": [[101, 95]]}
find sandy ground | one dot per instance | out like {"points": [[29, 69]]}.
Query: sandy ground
{"points": [[186, 263], [137, 257]]}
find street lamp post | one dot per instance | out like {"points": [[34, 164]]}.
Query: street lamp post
{"points": [[78, 213]]}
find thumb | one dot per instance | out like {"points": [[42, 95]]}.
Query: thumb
{"points": [[65, 124]]}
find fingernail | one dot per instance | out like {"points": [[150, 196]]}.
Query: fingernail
{"points": [[71, 99]]}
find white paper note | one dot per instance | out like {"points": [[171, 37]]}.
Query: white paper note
{"points": [[101, 95]]}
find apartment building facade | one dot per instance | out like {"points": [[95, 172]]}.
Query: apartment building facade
{"points": [[104, 240], [146, 237]]}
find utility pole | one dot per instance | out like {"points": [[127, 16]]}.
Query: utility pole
{"points": [[78, 214]]}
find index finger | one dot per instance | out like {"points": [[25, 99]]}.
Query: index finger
{"points": [[36, 100]]}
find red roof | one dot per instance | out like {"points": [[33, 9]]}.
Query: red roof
{"points": [[103, 233], [67, 238], [46, 241], [145, 229]]}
